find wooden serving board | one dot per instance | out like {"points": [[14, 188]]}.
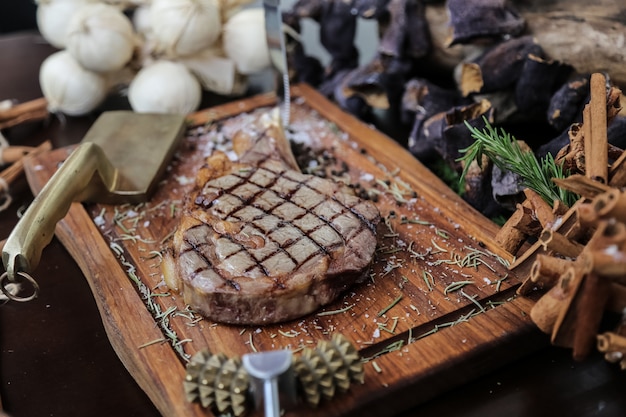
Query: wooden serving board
{"points": [[452, 314]]}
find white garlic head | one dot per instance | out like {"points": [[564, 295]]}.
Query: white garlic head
{"points": [[53, 16], [184, 27], [100, 37], [68, 87], [164, 87], [244, 41]]}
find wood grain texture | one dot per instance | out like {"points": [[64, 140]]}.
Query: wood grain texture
{"points": [[453, 335]]}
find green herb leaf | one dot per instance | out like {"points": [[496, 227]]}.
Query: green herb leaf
{"points": [[504, 151]]}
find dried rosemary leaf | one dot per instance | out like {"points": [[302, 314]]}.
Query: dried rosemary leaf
{"points": [[455, 286], [390, 306]]}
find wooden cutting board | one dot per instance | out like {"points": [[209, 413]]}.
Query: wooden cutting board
{"points": [[451, 312]]}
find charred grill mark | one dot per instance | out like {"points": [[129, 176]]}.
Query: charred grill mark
{"points": [[350, 209], [193, 246], [261, 266], [208, 265], [261, 157], [371, 226], [233, 284], [237, 213]]}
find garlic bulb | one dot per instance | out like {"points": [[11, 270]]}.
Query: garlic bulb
{"points": [[100, 37], [68, 87], [244, 41], [184, 27], [164, 87], [53, 17]]}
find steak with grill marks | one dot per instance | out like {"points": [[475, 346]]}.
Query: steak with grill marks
{"points": [[260, 242]]}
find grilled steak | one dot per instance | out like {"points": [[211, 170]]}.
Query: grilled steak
{"points": [[260, 242]]}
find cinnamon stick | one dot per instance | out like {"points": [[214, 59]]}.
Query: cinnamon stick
{"points": [[572, 155], [617, 298], [587, 130], [563, 332], [26, 107], [617, 172], [606, 253], [543, 211], [518, 227], [31, 110], [581, 185], [611, 204], [566, 225], [587, 215], [611, 342], [595, 128], [547, 270], [557, 242], [10, 154], [548, 308], [589, 311], [10, 174]]}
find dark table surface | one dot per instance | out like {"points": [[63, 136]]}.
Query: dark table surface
{"points": [[55, 358]]}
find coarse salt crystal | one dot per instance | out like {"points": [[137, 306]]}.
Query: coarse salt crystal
{"points": [[184, 180], [366, 176]]}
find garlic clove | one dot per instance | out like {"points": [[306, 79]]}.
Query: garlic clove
{"points": [[244, 41], [164, 87], [184, 27], [215, 71], [68, 87], [100, 37], [53, 17], [230, 7], [141, 20]]}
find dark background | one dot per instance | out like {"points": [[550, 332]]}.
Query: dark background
{"points": [[17, 15]]}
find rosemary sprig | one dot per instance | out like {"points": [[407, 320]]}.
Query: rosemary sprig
{"points": [[504, 151]]}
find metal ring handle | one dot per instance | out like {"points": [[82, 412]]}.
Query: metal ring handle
{"points": [[4, 281]]}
